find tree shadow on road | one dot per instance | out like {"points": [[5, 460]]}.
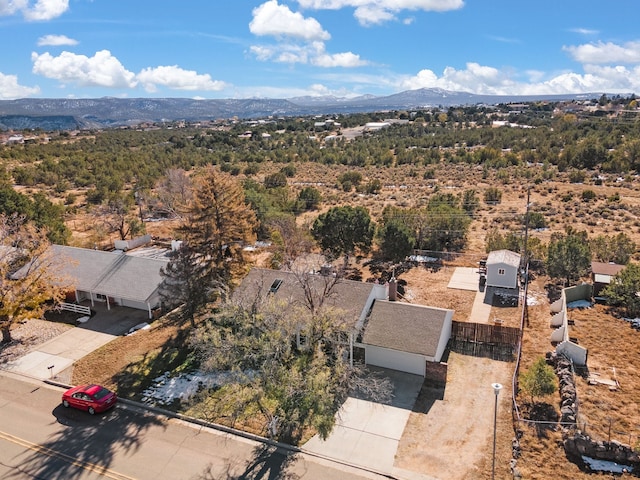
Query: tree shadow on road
{"points": [[84, 443], [269, 463]]}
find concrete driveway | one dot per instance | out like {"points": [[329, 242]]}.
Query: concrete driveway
{"points": [[366, 433], [52, 357]]}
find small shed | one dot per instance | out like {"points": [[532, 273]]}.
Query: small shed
{"points": [[602, 273], [502, 269], [404, 337]]}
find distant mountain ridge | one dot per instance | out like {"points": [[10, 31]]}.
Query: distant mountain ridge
{"points": [[65, 114]]}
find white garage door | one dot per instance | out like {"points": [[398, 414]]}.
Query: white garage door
{"points": [[132, 304], [395, 360]]}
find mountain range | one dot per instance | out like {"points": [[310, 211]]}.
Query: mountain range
{"points": [[68, 114]]}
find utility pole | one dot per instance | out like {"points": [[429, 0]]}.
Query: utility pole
{"points": [[526, 259], [526, 229]]}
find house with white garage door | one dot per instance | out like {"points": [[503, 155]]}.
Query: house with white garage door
{"points": [[112, 278], [404, 336], [394, 335]]}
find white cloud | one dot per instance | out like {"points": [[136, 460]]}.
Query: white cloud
{"points": [[105, 70], [486, 80], [10, 88], [40, 11], [56, 41], [346, 59], [9, 7], [101, 70], [584, 31], [605, 52], [373, 15], [46, 10], [284, 53], [277, 20], [313, 53], [371, 12], [177, 78]]}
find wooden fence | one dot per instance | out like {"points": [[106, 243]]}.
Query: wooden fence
{"points": [[74, 307], [484, 340]]}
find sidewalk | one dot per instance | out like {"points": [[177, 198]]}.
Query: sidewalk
{"points": [[50, 358]]}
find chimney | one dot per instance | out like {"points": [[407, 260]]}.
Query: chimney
{"points": [[326, 270], [393, 290]]}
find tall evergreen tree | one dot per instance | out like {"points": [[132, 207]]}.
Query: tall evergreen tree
{"points": [[215, 229]]}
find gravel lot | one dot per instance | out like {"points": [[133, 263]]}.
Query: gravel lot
{"points": [[29, 334]]}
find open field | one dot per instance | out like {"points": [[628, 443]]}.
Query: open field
{"points": [[439, 436], [129, 362]]}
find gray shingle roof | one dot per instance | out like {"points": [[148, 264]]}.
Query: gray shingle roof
{"points": [[601, 268], [347, 295], [108, 273], [405, 327], [504, 256]]}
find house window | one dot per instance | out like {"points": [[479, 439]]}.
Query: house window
{"points": [[501, 271], [101, 297]]}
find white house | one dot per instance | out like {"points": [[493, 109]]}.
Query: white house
{"points": [[404, 337], [111, 278], [502, 269], [394, 335], [602, 274]]}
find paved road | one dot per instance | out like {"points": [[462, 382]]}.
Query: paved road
{"points": [[41, 439]]}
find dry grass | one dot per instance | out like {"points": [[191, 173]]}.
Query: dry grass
{"points": [[611, 342], [613, 353], [427, 287], [109, 364]]}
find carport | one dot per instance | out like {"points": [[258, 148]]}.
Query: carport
{"points": [[112, 278]]}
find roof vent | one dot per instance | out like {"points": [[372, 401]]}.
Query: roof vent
{"points": [[275, 285]]}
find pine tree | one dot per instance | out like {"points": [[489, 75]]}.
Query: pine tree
{"points": [[539, 380], [215, 230]]}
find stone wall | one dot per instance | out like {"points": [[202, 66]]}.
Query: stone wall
{"points": [[576, 443], [580, 444]]}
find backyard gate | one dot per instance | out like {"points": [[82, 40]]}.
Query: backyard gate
{"points": [[484, 340]]}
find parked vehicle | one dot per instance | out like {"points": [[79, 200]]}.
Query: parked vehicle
{"points": [[138, 327], [92, 398]]}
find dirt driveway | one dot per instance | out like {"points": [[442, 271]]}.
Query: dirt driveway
{"points": [[449, 434]]}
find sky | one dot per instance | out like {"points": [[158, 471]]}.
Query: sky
{"points": [[291, 48]]}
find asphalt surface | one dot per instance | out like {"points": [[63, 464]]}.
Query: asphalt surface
{"points": [[41, 439], [365, 437]]}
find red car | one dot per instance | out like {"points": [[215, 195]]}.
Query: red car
{"points": [[92, 398]]}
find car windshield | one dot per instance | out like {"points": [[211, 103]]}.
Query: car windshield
{"points": [[103, 392]]}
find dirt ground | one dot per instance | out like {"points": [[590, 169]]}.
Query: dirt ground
{"points": [[449, 434]]}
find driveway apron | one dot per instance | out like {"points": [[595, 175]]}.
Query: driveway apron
{"points": [[48, 359], [367, 433]]}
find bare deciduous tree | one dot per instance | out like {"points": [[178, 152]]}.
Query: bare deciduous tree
{"points": [[293, 385], [174, 192], [29, 283]]}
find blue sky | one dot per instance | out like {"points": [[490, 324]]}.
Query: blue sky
{"points": [[288, 48]]}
